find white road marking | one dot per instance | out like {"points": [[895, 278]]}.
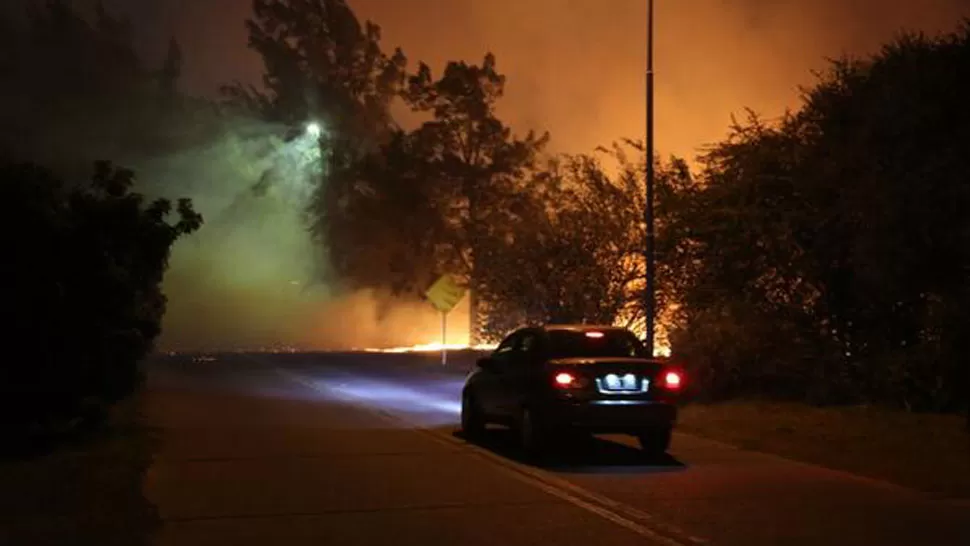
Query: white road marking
{"points": [[618, 513]]}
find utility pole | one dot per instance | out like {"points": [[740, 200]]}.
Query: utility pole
{"points": [[649, 296]]}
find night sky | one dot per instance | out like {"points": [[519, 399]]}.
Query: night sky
{"points": [[576, 68]]}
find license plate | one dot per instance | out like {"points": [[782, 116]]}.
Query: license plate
{"points": [[621, 383]]}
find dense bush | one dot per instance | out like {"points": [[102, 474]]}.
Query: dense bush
{"points": [[826, 257], [81, 275]]}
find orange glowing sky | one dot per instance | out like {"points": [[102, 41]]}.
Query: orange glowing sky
{"points": [[573, 67], [576, 68]]}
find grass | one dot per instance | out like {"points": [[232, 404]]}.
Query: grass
{"points": [[87, 491], [925, 452]]}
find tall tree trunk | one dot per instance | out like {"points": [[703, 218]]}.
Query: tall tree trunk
{"points": [[473, 185]]}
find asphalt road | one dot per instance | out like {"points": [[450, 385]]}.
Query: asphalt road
{"points": [[361, 449]]}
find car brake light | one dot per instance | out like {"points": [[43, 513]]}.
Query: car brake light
{"points": [[595, 335], [672, 380], [564, 379]]}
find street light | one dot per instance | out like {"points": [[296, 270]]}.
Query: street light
{"points": [[313, 129], [649, 296]]}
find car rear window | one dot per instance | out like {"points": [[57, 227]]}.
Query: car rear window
{"points": [[599, 344]]}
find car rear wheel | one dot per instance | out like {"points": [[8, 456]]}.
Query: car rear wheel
{"points": [[532, 435], [655, 441], [472, 420]]}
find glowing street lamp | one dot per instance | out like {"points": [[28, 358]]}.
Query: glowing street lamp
{"points": [[314, 129]]}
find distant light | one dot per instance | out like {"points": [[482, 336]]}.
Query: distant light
{"points": [[313, 129], [596, 335]]}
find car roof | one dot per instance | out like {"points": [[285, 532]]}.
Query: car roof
{"points": [[582, 328]]}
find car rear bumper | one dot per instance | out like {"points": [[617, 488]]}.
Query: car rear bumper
{"points": [[613, 416]]}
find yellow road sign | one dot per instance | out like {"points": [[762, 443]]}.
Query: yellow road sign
{"points": [[445, 293]]}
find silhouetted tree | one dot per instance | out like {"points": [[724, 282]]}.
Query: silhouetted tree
{"points": [[575, 254], [389, 233], [477, 162], [828, 253], [393, 207], [323, 65], [81, 274]]}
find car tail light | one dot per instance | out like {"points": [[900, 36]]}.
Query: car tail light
{"points": [[673, 380], [565, 379]]}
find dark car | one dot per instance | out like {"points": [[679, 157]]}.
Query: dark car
{"points": [[545, 382]]}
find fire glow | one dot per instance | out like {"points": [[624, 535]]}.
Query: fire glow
{"points": [[435, 347], [457, 336]]}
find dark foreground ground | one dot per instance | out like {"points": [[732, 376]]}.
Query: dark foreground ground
{"points": [[361, 449], [80, 489]]}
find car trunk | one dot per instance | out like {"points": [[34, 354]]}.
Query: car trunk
{"points": [[612, 379]]}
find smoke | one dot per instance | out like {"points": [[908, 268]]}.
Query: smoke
{"points": [[250, 278], [576, 67]]}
